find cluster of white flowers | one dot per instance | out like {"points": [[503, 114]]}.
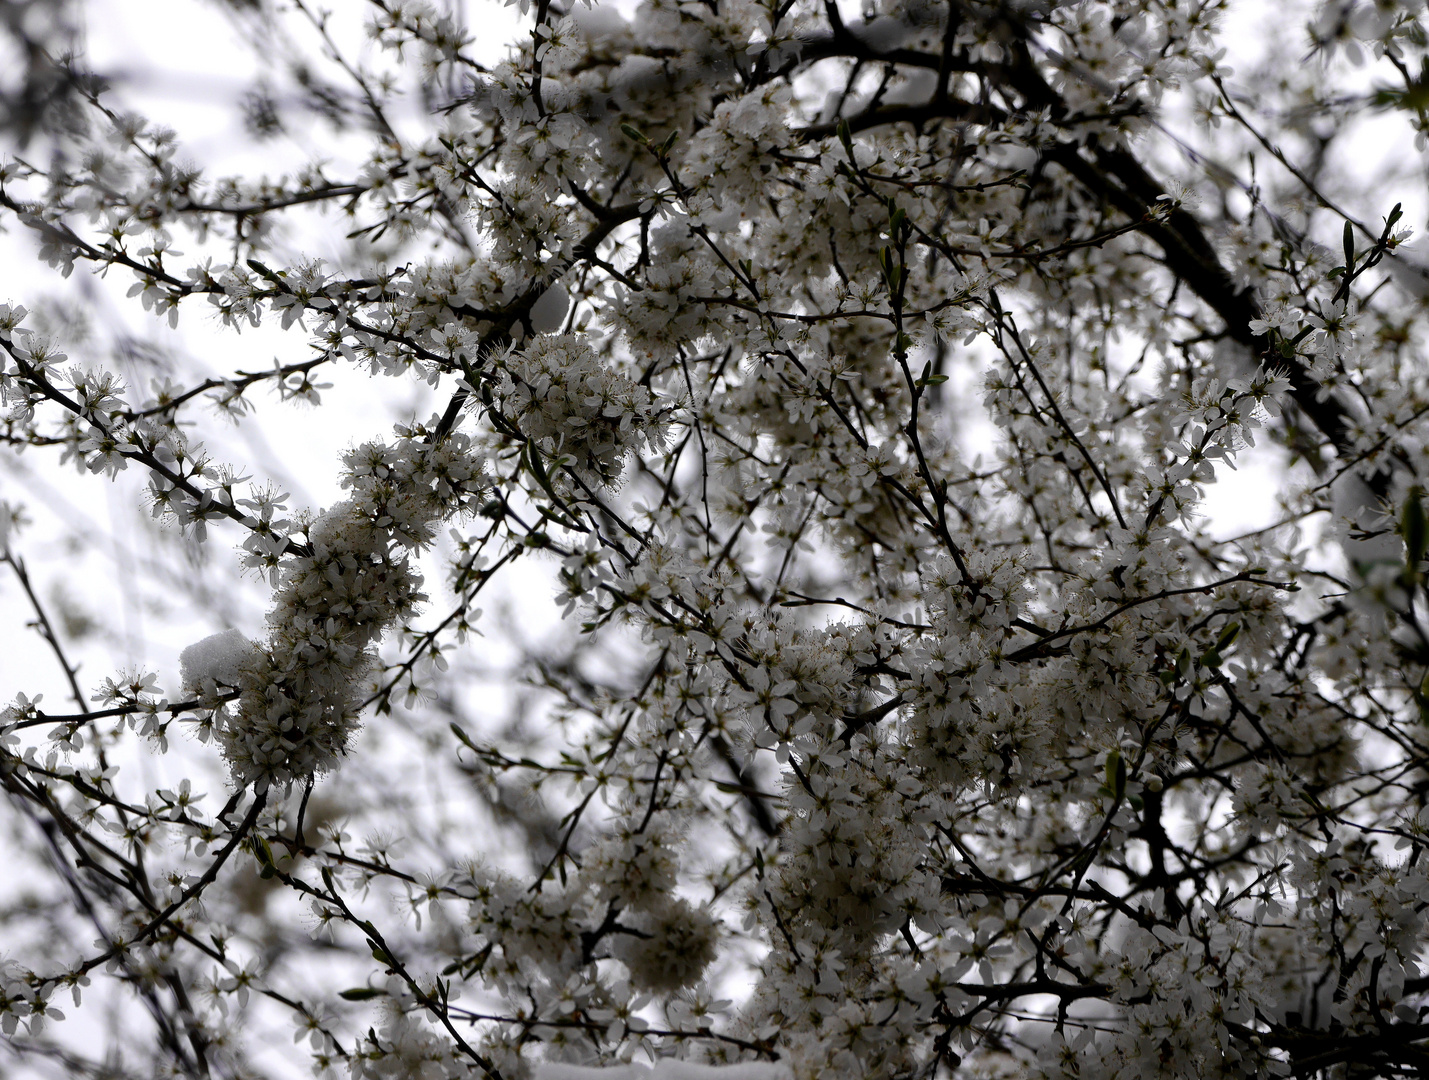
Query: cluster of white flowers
{"points": [[300, 701], [576, 408], [669, 946], [402, 1048]]}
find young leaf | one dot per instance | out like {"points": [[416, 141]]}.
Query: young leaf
{"points": [[361, 993], [1115, 774], [264, 854]]}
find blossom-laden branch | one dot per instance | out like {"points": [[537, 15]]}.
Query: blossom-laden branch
{"points": [[1011, 766]]}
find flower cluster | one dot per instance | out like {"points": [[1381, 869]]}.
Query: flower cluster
{"points": [[576, 407], [299, 705]]}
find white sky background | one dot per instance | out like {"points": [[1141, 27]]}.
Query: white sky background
{"points": [[180, 62]]}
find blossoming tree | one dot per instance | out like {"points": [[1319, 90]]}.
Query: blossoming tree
{"points": [[881, 743]]}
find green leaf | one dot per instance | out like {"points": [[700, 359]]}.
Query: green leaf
{"points": [[890, 272], [1115, 774], [361, 993], [264, 854], [1349, 241], [1211, 658], [635, 134], [559, 519], [1413, 98], [538, 469], [846, 137]]}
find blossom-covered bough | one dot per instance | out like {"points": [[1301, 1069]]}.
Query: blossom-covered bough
{"points": [[885, 742]]}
